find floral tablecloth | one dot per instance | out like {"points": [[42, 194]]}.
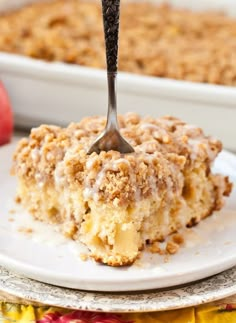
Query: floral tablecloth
{"points": [[13, 310]]}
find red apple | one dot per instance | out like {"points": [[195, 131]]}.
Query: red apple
{"points": [[6, 117]]}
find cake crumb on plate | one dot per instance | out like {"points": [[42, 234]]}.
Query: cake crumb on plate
{"points": [[25, 230], [84, 257], [172, 247]]}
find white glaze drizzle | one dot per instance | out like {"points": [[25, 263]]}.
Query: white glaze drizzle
{"points": [[152, 178]]}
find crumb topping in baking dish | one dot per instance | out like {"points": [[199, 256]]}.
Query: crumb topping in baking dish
{"points": [[154, 40]]}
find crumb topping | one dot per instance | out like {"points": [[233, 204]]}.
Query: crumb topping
{"points": [[164, 148]]}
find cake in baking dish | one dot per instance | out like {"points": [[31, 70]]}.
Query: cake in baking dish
{"points": [[71, 31], [113, 203]]}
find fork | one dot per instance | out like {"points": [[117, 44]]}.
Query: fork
{"points": [[110, 138]]}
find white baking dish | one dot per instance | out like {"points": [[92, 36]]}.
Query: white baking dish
{"points": [[59, 93]]}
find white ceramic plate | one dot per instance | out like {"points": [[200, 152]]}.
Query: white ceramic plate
{"points": [[208, 290], [46, 256]]}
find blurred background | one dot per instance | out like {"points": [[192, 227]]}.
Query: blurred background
{"points": [[175, 58]]}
